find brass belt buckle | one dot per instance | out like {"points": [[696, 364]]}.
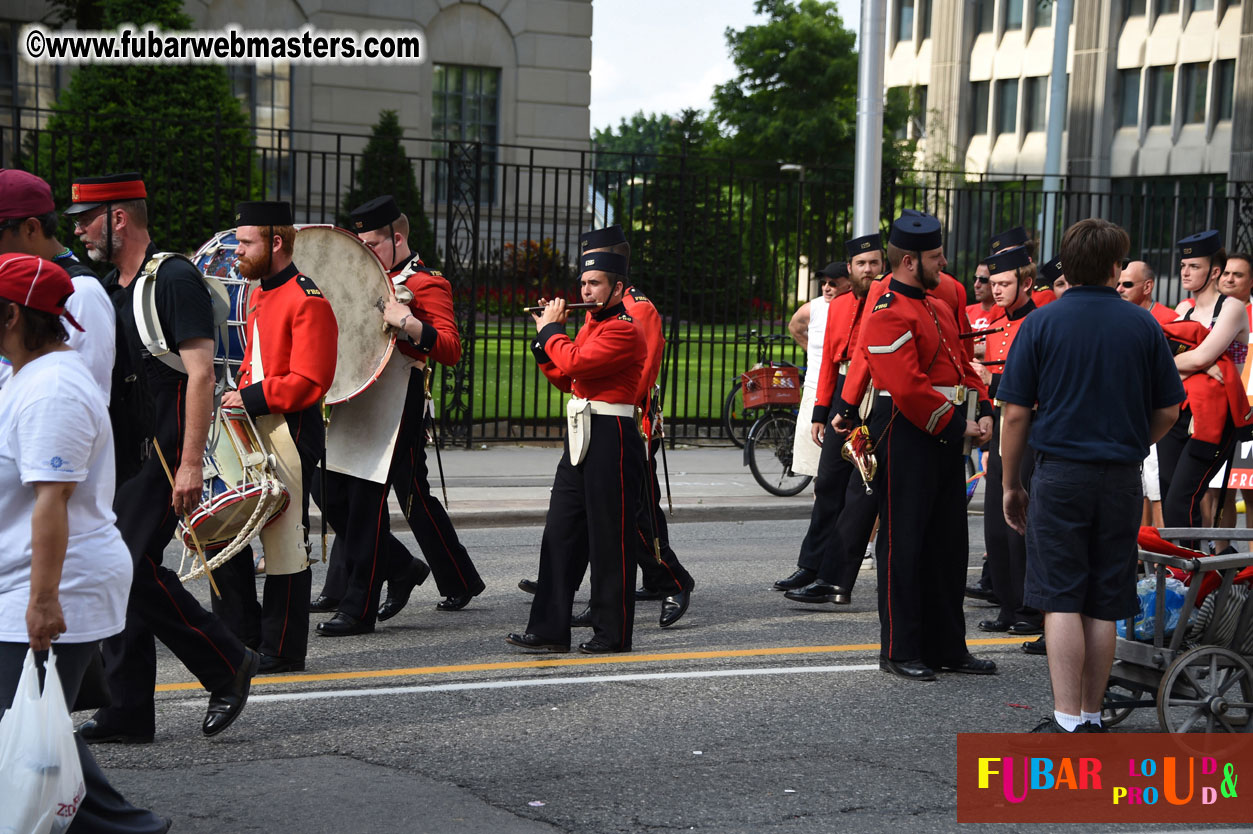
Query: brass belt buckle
{"points": [[959, 395]]}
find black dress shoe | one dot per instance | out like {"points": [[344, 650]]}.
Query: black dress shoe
{"points": [[273, 665], [645, 594], [970, 665], [798, 579], [226, 704], [1035, 647], [323, 604], [994, 625], [1024, 627], [529, 586], [530, 641], [456, 602], [674, 607], [910, 670], [399, 589], [598, 646], [344, 625], [980, 591], [583, 619], [819, 592], [93, 732]]}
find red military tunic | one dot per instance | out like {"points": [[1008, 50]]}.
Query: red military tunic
{"points": [[1043, 294], [298, 341], [648, 320], [603, 362], [432, 305], [843, 317], [1165, 315], [951, 292], [1000, 343], [913, 348]]}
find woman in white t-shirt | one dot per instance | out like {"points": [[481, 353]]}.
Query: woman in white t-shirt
{"points": [[65, 573]]}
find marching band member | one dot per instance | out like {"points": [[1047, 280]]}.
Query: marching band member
{"points": [[111, 218], [912, 347], [1013, 275], [844, 513], [592, 512], [1042, 291], [288, 365]]}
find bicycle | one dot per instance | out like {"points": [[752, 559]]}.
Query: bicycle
{"points": [[768, 445], [736, 418]]}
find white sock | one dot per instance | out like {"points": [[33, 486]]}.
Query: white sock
{"points": [[1091, 718], [1067, 722]]}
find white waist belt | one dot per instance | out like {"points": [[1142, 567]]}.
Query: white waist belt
{"points": [[949, 391], [844, 367], [611, 409]]}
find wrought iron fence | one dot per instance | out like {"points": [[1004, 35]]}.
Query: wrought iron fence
{"points": [[722, 246]]}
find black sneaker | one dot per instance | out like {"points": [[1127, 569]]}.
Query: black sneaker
{"points": [[1049, 725]]}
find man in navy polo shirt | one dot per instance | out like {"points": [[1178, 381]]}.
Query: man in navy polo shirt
{"points": [[1105, 387]]}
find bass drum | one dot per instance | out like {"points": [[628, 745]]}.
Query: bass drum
{"points": [[351, 277], [216, 259]]}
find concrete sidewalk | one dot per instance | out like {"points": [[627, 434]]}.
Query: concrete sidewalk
{"points": [[508, 485]]}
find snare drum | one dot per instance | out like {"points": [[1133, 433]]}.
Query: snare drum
{"points": [[216, 258], [241, 490]]}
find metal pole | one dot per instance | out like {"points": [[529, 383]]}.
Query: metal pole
{"points": [[867, 176], [1056, 124]]}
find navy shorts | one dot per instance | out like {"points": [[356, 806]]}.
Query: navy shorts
{"points": [[1082, 523]]}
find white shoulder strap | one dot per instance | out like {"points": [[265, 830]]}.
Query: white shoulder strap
{"points": [[148, 323]]}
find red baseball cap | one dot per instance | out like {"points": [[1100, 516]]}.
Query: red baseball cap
{"points": [[23, 195], [36, 283]]}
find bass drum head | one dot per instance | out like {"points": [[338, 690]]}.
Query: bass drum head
{"points": [[351, 278], [216, 259]]}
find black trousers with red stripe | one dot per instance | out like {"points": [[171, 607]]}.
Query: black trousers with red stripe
{"points": [[450, 564], [592, 521], [1007, 548], [282, 617], [922, 545], [160, 606], [663, 573], [366, 554]]}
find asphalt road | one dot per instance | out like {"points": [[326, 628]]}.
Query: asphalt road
{"points": [[752, 714]]}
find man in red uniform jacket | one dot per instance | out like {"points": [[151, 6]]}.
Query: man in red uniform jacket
{"points": [[592, 511], [366, 553], [289, 363], [914, 352]]}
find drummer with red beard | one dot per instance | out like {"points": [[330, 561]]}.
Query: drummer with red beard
{"points": [[288, 365]]}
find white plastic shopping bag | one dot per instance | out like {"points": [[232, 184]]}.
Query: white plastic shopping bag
{"points": [[41, 778]]}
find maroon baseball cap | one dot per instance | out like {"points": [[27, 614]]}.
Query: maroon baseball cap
{"points": [[23, 195], [36, 283]]}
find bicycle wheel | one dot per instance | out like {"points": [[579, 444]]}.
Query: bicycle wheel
{"points": [[736, 420], [769, 451]]}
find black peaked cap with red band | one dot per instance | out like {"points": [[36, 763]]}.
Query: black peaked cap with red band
{"points": [[89, 192]]}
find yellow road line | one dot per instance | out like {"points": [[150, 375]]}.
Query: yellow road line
{"points": [[367, 674]]}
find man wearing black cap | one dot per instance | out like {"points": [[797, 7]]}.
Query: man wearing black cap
{"points": [[1013, 275], [427, 331], [1042, 290], [1054, 276], [111, 219], [1202, 439], [289, 363], [843, 516], [592, 513], [914, 352]]}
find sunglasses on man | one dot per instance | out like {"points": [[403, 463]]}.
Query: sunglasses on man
{"points": [[1127, 285], [982, 279]]}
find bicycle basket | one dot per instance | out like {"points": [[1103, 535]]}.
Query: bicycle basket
{"points": [[771, 385]]}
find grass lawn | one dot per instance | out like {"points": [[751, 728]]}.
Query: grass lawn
{"points": [[707, 358]]}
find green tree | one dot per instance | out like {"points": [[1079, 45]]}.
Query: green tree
{"points": [[178, 125], [385, 169], [634, 144], [794, 97]]}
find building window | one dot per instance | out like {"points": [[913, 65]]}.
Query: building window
{"points": [[904, 23], [1128, 97], [924, 19], [466, 108], [1013, 14], [1195, 78], [1043, 14], [1133, 8], [1007, 105], [264, 91], [1201, 5], [984, 12], [919, 118], [1224, 89], [979, 108], [1162, 7], [1035, 103], [1161, 88]]}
